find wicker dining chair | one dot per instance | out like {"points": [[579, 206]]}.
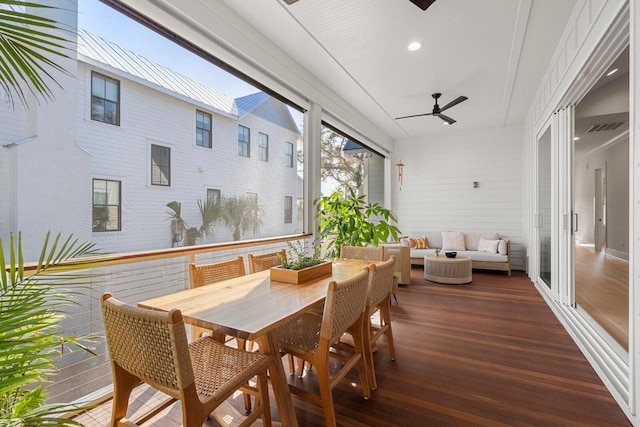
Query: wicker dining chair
{"points": [[206, 274], [379, 299], [151, 346], [310, 336], [266, 261], [369, 253]]}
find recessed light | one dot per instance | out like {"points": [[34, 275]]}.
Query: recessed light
{"points": [[612, 72], [445, 123], [575, 138], [413, 46]]}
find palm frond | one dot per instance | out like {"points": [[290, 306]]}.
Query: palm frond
{"points": [[27, 44], [30, 332]]}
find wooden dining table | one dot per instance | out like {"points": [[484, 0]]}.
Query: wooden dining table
{"points": [[252, 307]]}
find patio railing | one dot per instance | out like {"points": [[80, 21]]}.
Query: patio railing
{"points": [[132, 277]]}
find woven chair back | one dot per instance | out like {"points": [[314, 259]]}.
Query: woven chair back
{"points": [[344, 304], [380, 281], [202, 275], [266, 261], [150, 344], [370, 253]]}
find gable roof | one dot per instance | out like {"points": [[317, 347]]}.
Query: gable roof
{"points": [[94, 48], [265, 106]]}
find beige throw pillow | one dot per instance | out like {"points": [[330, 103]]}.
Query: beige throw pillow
{"points": [[488, 246], [453, 241]]}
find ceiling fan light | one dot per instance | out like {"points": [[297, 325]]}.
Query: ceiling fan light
{"points": [[445, 123], [612, 72], [413, 46]]}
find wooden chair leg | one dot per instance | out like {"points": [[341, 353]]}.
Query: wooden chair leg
{"points": [[368, 356], [385, 314], [322, 370], [301, 363], [359, 341], [123, 383], [263, 385]]}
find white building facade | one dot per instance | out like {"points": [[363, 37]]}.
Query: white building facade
{"points": [[127, 136]]}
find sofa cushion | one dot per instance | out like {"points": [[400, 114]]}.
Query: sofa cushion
{"points": [[472, 238], [483, 256], [489, 246], [418, 242], [502, 247], [421, 253], [453, 240], [421, 243]]}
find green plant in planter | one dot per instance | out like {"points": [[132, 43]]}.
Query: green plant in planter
{"points": [[298, 258], [209, 212], [30, 335], [350, 220]]}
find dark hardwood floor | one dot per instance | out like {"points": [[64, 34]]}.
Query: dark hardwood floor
{"points": [[489, 353]]}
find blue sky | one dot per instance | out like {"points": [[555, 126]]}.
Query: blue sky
{"points": [[104, 21]]}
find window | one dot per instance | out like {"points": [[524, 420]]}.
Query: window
{"points": [[300, 207], [213, 195], [160, 165], [106, 205], [203, 129], [105, 99], [288, 154], [244, 141], [288, 209], [263, 147]]}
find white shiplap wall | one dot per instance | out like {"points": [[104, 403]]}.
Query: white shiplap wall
{"points": [[438, 194]]}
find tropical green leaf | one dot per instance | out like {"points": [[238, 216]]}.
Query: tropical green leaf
{"points": [[350, 220], [30, 333], [28, 45]]}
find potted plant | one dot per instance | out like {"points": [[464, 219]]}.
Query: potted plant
{"points": [[299, 267], [209, 212], [350, 220]]}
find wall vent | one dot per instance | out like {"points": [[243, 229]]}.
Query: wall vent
{"points": [[604, 126]]}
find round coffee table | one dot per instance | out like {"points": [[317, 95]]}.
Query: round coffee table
{"points": [[450, 271]]}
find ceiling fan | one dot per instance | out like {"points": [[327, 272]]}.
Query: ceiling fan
{"points": [[422, 4], [437, 111]]}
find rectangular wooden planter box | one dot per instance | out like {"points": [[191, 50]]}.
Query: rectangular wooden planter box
{"points": [[280, 274]]}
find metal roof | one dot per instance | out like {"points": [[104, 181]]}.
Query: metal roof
{"points": [[98, 49], [248, 103]]}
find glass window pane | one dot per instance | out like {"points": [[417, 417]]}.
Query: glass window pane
{"points": [[110, 112], [97, 86], [111, 93]]}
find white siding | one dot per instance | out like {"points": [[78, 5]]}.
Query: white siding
{"points": [[438, 194], [152, 117]]}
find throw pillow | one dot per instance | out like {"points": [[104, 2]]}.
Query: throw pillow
{"points": [[418, 243], [488, 246], [453, 241], [421, 243], [502, 247]]}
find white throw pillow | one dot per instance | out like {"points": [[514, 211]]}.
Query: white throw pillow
{"points": [[502, 247], [453, 241], [488, 246]]}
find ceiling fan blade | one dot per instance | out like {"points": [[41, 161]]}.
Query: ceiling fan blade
{"points": [[414, 115], [456, 101], [423, 4], [445, 118]]}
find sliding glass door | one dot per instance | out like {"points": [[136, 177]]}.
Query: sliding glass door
{"points": [[543, 217]]}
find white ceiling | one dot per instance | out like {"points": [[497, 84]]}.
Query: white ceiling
{"points": [[495, 52]]}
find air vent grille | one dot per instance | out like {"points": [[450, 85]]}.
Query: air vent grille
{"points": [[604, 126]]}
